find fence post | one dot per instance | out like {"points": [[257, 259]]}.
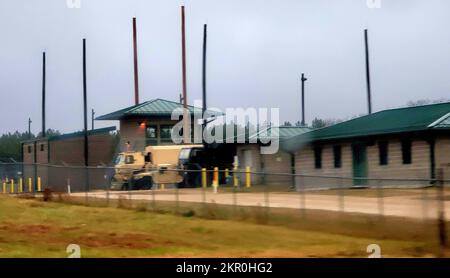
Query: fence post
{"points": [[12, 186], [247, 177], [177, 200], [302, 195], [380, 198], [441, 209], [39, 184], [341, 195], [4, 187]]}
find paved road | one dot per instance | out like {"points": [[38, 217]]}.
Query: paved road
{"points": [[412, 205]]}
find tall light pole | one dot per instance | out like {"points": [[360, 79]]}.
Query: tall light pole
{"points": [[29, 128], [186, 127], [135, 59], [43, 95], [92, 117], [369, 91], [303, 79]]}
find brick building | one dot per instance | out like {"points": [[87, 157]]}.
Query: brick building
{"points": [[149, 123], [282, 161], [67, 151]]}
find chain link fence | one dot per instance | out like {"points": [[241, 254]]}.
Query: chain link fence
{"points": [[240, 193]]}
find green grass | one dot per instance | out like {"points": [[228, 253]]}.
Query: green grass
{"points": [[33, 228]]}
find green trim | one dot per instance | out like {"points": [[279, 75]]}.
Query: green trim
{"points": [[77, 134], [153, 108], [387, 122]]}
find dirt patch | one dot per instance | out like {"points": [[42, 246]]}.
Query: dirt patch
{"points": [[70, 228], [133, 241], [26, 229]]}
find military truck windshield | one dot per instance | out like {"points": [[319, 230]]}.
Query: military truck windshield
{"points": [[119, 159], [129, 159], [184, 153]]}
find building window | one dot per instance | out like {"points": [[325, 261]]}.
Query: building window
{"points": [[29, 149], [150, 134], [318, 157], [42, 147], [166, 133], [337, 153], [406, 151], [383, 149]]}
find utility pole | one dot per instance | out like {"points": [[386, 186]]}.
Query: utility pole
{"points": [[369, 93], [29, 128], [135, 59], [86, 142], [43, 94], [92, 118], [303, 79], [186, 127], [205, 31], [86, 149]]}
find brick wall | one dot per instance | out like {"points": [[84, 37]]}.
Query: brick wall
{"points": [[443, 155], [279, 162], [419, 168], [71, 151], [304, 164], [131, 131], [272, 163]]}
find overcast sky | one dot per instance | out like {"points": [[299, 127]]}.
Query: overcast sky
{"points": [[256, 52]]}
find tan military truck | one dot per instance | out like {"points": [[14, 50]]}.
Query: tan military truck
{"points": [[155, 165]]}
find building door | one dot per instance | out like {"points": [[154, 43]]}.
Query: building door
{"points": [[359, 155]]}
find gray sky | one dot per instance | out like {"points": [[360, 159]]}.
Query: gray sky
{"points": [[256, 51]]}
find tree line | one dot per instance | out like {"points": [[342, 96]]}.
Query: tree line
{"points": [[10, 144]]}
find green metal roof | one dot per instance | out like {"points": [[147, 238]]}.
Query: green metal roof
{"points": [[392, 121], [284, 132], [157, 107], [97, 131], [76, 134]]}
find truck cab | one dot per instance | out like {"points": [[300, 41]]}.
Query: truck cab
{"points": [[155, 165], [192, 159]]}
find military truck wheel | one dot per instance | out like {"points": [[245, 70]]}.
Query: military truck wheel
{"points": [[143, 183], [124, 186], [147, 183]]}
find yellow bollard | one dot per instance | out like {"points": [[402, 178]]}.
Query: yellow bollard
{"points": [[204, 180], [227, 173], [247, 177], [4, 187], [215, 183], [162, 186], [20, 185], [235, 178], [12, 186], [216, 176], [30, 185], [39, 184]]}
